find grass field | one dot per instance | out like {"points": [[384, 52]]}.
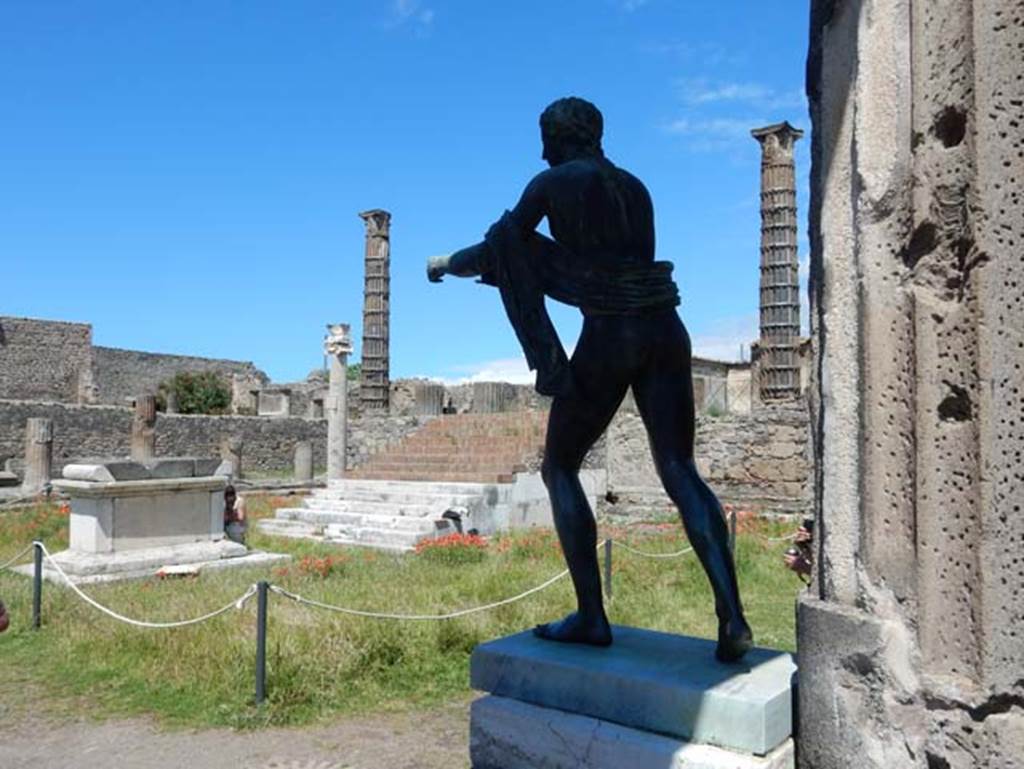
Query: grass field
{"points": [[322, 663]]}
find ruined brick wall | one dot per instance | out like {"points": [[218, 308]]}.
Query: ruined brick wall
{"points": [[268, 443], [121, 374], [758, 461], [44, 359], [911, 639]]}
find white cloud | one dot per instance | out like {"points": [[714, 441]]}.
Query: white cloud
{"points": [[412, 13], [702, 91], [804, 268], [715, 134], [724, 339], [709, 54], [512, 370]]}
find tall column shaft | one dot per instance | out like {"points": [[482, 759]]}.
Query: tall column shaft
{"points": [[38, 454], [779, 366], [143, 447], [375, 380], [337, 346]]}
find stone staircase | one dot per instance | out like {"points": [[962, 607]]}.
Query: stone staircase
{"points": [[464, 462]]}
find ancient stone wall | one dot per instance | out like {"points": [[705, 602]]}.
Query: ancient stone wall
{"points": [[123, 374], [45, 359], [757, 461], [910, 641], [268, 444]]}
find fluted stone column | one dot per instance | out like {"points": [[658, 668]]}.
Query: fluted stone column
{"points": [[337, 346], [374, 387], [911, 639], [38, 454], [778, 363], [143, 446], [303, 461]]}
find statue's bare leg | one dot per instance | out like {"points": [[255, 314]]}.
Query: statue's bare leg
{"points": [[664, 396], [574, 424]]}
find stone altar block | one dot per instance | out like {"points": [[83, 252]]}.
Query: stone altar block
{"points": [[650, 700], [129, 519]]}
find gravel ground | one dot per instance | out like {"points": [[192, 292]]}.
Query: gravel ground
{"points": [[433, 739]]}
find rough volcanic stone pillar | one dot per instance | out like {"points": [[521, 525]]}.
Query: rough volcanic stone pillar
{"points": [[911, 640], [38, 454], [778, 363], [337, 346], [374, 384], [429, 398], [231, 451], [143, 446], [303, 461], [171, 401]]}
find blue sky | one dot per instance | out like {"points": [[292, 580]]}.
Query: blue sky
{"points": [[186, 176]]}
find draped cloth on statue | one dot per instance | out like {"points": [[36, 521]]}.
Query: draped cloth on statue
{"points": [[526, 267]]}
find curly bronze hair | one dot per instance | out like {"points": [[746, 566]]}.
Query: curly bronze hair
{"points": [[574, 122]]}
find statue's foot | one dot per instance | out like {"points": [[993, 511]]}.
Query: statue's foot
{"points": [[574, 629], [734, 640]]}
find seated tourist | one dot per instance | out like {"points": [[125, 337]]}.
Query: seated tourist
{"points": [[234, 515]]}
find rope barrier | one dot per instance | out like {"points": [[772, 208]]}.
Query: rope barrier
{"points": [[645, 554], [387, 615], [18, 557], [236, 604]]}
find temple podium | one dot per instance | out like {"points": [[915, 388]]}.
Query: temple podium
{"points": [[651, 700]]}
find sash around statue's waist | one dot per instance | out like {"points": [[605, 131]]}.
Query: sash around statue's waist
{"points": [[527, 266]]}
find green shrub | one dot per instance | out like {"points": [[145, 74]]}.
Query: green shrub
{"points": [[197, 392]]}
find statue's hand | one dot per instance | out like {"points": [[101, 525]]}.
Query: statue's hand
{"points": [[437, 266]]}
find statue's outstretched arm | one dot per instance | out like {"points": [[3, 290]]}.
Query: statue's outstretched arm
{"points": [[472, 260]]}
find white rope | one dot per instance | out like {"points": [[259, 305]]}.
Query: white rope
{"points": [[18, 557], [237, 604], [386, 615], [645, 554]]}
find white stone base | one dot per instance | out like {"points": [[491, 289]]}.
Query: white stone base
{"points": [[88, 568], [509, 734]]}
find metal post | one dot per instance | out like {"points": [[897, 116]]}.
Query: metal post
{"points": [[37, 586], [608, 568], [732, 532], [261, 642]]}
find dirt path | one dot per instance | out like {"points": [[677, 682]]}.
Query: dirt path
{"points": [[434, 739]]}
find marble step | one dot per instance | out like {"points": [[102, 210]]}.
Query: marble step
{"points": [[323, 518], [417, 509], [284, 527], [354, 487], [380, 537]]}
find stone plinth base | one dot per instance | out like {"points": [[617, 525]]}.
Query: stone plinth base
{"points": [[86, 568], [508, 734], [651, 682]]}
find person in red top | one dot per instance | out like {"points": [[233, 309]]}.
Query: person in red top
{"points": [[5, 619]]}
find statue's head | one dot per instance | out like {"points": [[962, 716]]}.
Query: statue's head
{"points": [[571, 128]]}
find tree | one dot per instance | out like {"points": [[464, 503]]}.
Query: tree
{"points": [[355, 370]]}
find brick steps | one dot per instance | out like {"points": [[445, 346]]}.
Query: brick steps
{"points": [[468, 447]]}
